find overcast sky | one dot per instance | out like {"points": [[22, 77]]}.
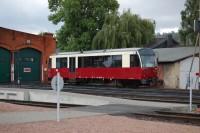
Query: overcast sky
{"points": [[32, 15]]}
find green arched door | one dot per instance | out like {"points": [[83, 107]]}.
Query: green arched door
{"points": [[27, 65], [5, 59]]}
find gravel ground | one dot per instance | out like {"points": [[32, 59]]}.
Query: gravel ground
{"points": [[8, 107], [93, 124], [99, 124]]}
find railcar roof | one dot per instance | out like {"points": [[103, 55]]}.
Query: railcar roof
{"points": [[99, 51]]}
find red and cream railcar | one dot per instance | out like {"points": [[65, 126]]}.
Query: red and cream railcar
{"points": [[129, 64]]}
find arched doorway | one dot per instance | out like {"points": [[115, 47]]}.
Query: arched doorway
{"points": [[5, 59], [27, 65]]}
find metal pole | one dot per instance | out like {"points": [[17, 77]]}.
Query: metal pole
{"points": [[199, 62], [199, 49], [189, 85], [198, 41], [58, 98], [190, 98]]}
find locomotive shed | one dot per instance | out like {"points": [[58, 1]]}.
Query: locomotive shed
{"points": [[24, 57]]}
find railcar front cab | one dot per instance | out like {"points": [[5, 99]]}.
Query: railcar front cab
{"points": [[148, 63]]}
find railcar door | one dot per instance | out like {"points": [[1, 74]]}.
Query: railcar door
{"points": [[72, 64]]}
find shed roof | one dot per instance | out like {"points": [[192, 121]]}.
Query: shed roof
{"points": [[174, 54], [163, 42]]}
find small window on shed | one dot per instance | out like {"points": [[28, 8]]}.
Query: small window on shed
{"points": [[61, 62], [28, 59]]}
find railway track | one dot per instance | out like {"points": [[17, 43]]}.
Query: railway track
{"points": [[39, 104], [146, 94], [177, 117]]}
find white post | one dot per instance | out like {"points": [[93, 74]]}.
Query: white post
{"points": [[190, 88], [199, 49], [190, 98], [58, 98], [42, 73]]}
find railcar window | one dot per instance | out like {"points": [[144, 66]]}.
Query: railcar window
{"points": [[107, 61], [148, 60], [80, 62], [134, 61], [147, 57], [84, 62], [116, 61], [49, 63], [100, 61], [72, 64], [61, 62]]}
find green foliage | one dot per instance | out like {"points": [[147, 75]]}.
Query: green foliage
{"points": [[123, 31], [188, 16], [81, 21]]}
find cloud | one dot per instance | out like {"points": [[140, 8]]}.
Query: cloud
{"points": [[167, 30], [166, 13], [26, 15], [32, 15]]}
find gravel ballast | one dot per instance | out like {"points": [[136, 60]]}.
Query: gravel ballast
{"points": [[99, 124], [91, 124], [8, 107]]}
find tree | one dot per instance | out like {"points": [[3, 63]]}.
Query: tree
{"points": [[123, 31], [188, 16], [106, 37], [81, 19]]}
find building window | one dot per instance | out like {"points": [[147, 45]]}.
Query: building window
{"points": [[28, 59]]}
